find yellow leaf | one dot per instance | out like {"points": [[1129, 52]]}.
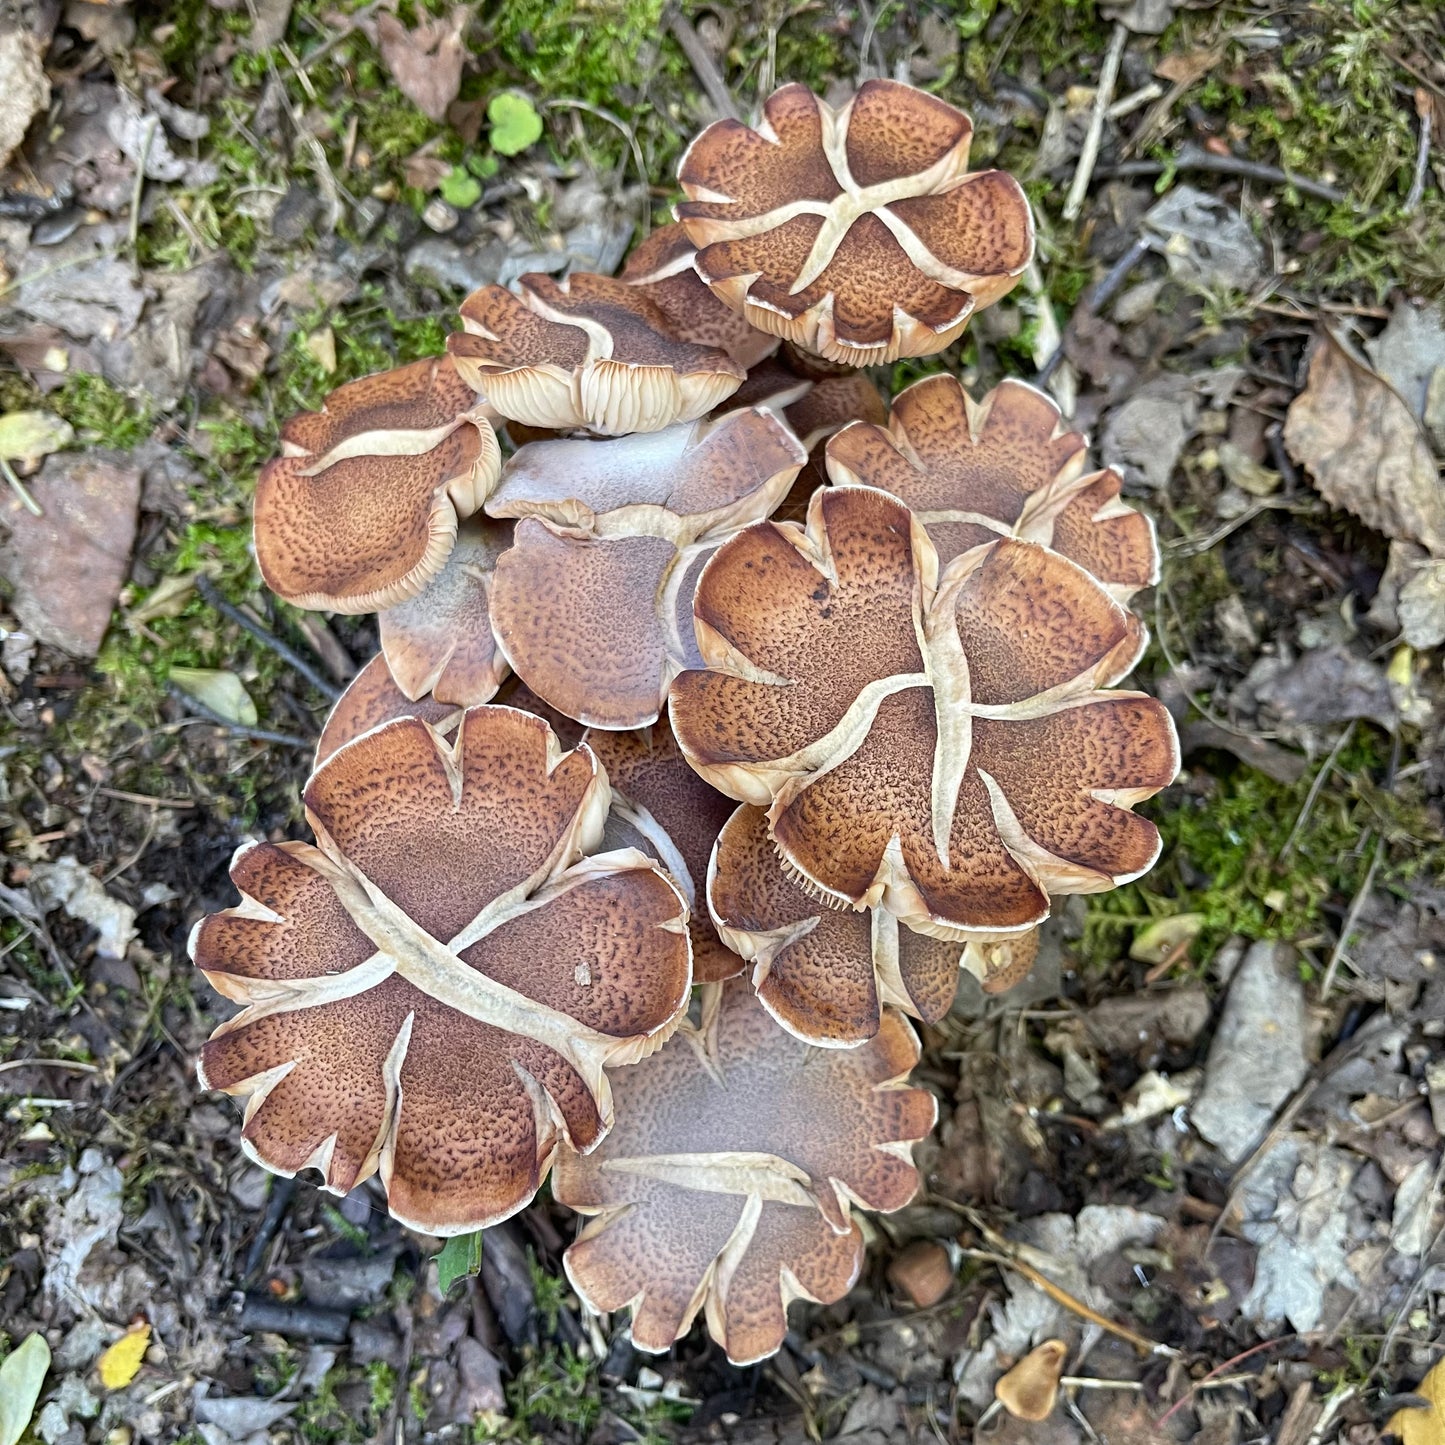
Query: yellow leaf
{"points": [[1423, 1425], [121, 1362]]}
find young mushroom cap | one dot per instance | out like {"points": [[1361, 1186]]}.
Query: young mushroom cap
{"points": [[590, 605], [661, 268], [372, 698], [727, 1183], [939, 745], [587, 351], [661, 807], [856, 233], [440, 641], [824, 973], [361, 509], [433, 992], [1006, 466]]}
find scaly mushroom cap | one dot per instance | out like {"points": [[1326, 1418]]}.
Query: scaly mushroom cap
{"points": [[433, 992], [361, 509], [440, 641], [940, 746], [858, 234], [1006, 466], [372, 698], [823, 973], [590, 605], [726, 1184], [588, 351], [661, 268], [661, 807]]}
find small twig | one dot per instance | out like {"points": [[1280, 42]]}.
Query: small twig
{"points": [[703, 65], [265, 637], [239, 730], [1198, 1385], [21, 490], [1425, 109], [1320, 778], [1098, 298], [572, 103], [1130, 103], [353, 24], [1103, 98], [1356, 904], [1195, 158], [148, 799], [147, 136], [73, 1066]]}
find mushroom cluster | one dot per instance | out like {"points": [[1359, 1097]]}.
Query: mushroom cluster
{"points": [[712, 732]]}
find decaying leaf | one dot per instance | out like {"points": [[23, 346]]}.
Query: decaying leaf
{"points": [[22, 1373], [219, 690], [1364, 449], [942, 745], [433, 991], [1030, 1390], [426, 62], [120, 1364], [26, 436], [728, 1181], [1426, 1425]]}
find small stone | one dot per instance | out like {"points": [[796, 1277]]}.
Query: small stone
{"points": [[923, 1272], [440, 216], [440, 263], [295, 214]]}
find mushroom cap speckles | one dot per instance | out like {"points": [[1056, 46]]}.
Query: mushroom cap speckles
{"points": [[824, 974], [662, 807], [942, 746], [661, 268], [588, 351], [587, 604], [434, 991], [440, 641], [361, 509], [1005, 466], [372, 698], [858, 234], [726, 1186]]}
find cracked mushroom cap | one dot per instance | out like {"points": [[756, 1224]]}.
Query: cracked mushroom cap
{"points": [[859, 233], [825, 974], [587, 351], [661, 807], [433, 992], [944, 746], [440, 641], [592, 604], [726, 1186], [661, 268], [1006, 466], [361, 509]]}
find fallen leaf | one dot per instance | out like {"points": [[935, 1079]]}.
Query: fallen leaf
{"points": [[460, 1257], [221, 691], [515, 123], [69, 885], [120, 1364], [22, 1373], [27, 436], [168, 598], [1155, 942], [1422, 1425], [1364, 449], [1186, 66], [1030, 1390], [426, 63]]}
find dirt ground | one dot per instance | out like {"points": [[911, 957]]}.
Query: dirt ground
{"points": [[1211, 1122]]}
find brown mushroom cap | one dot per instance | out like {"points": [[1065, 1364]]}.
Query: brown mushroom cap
{"points": [[588, 351], [433, 992], [370, 515], [586, 605], [661, 268], [1001, 963], [858, 234], [372, 698], [440, 641], [940, 746], [1006, 466], [662, 808], [725, 1186], [823, 973]]}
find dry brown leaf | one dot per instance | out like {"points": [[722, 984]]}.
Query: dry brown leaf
{"points": [[426, 63], [1030, 1390], [1364, 450], [1423, 1425], [1186, 66]]}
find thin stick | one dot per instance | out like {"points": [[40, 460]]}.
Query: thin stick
{"points": [[265, 637], [1130, 103], [240, 730], [1326, 768], [1195, 158], [1198, 1385], [73, 1066], [569, 102], [21, 490], [1103, 98], [147, 136], [1425, 109], [1348, 927], [703, 65], [150, 801], [1098, 298]]}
